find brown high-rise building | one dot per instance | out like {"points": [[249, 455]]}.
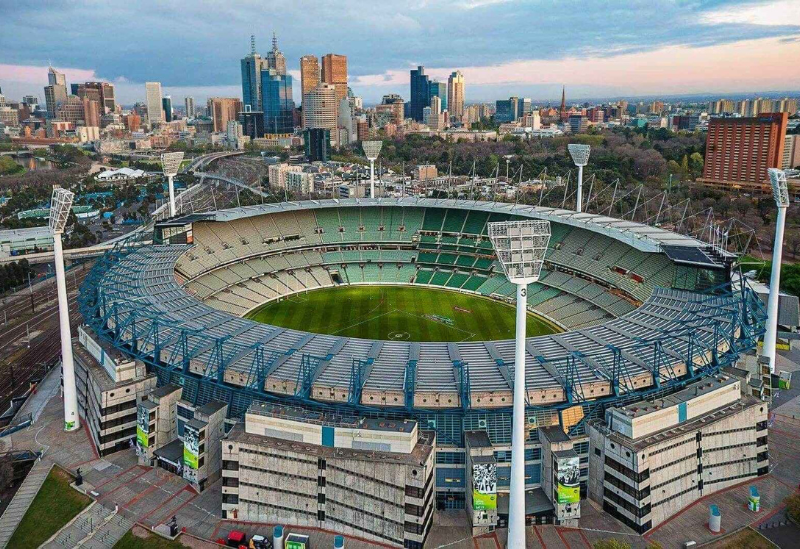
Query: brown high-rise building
{"points": [[91, 112], [222, 110], [334, 71], [740, 150], [309, 73], [133, 122]]}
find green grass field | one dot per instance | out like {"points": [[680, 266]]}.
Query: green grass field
{"points": [[401, 313], [53, 507]]}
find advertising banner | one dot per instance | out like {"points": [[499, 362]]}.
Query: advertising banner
{"points": [[191, 448], [142, 426], [484, 486], [568, 475]]}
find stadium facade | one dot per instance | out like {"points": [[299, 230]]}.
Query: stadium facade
{"points": [[645, 312]]}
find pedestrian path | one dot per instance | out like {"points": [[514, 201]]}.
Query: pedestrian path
{"points": [[22, 500]]}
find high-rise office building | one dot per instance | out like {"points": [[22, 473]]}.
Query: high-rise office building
{"points": [[309, 73], [334, 72], [276, 96], [420, 93], [507, 109], [317, 142], [55, 93], [319, 107], [223, 109], [188, 104], [91, 112], [455, 94], [739, 151], [155, 110], [252, 65], [275, 58], [439, 89], [252, 122], [395, 106], [166, 104]]}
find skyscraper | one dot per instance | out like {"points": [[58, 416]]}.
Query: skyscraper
{"points": [[455, 94], [420, 93], [252, 65], [439, 89], [309, 73], [166, 104], [739, 151], [223, 109], [319, 107], [55, 93], [155, 112], [188, 103], [275, 59], [276, 96], [334, 72]]}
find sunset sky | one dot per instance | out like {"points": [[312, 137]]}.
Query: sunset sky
{"points": [[522, 47]]}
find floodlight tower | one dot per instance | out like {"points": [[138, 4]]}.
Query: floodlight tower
{"points": [[520, 248], [371, 150], [780, 190], [60, 206], [170, 163], [580, 156]]}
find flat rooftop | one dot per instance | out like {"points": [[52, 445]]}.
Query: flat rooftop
{"points": [[294, 413], [680, 429], [418, 455], [642, 408], [98, 373]]}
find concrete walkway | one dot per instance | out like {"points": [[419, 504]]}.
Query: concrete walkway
{"points": [[22, 500], [96, 527]]}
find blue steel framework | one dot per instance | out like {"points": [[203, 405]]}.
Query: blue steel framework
{"points": [[734, 317]]}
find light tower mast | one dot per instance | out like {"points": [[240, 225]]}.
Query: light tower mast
{"points": [[780, 191], [170, 163], [60, 206], [580, 156], [371, 150], [520, 248]]}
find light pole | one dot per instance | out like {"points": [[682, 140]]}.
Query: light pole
{"points": [[780, 191], [520, 248], [371, 150], [580, 156], [60, 206], [170, 163]]}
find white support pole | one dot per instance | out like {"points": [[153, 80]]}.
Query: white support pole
{"points": [[171, 197], [371, 178], [71, 418], [579, 204], [771, 335], [516, 507]]}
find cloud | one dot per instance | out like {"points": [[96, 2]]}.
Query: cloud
{"points": [[201, 46], [28, 74]]}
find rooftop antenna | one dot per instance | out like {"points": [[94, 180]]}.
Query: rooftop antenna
{"points": [[274, 41], [252, 44]]}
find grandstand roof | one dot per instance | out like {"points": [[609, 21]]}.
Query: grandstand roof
{"points": [[642, 237]]}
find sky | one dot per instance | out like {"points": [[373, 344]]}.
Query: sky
{"points": [[528, 48]]}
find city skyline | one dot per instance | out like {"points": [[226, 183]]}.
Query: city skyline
{"points": [[722, 47]]}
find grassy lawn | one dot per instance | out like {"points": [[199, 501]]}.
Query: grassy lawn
{"points": [[744, 539], [398, 313], [54, 506], [151, 541]]}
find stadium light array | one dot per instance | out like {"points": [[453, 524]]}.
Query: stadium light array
{"points": [[780, 191], [371, 150], [580, 156], [170, 164], [520, 248], [60, 206]]}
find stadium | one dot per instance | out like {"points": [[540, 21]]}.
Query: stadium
{"points": [[622, 311]]}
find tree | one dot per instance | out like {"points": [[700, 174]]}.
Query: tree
{"points": [[696, 164], [6, 474], [611, 543], [793, 507]]}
